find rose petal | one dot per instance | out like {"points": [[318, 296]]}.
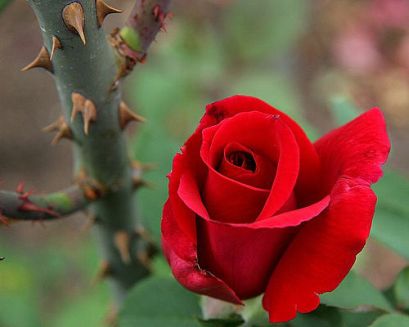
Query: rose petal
{"points": [[309, 161], [265, 135], [287, 172], [321, 254], [356, 149], [188, 160], [184, 263], [242, 257], [190, 195], [257, 176], [325, 248]]}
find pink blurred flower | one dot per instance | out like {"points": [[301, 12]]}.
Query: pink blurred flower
{"points": [[390, 13], [355, 50]]}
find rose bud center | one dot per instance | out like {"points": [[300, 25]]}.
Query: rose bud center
{"points": [[243, 160]]}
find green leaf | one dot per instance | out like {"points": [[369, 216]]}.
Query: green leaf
{"points": [[391, 320], [358, 319], [401, 289], [158, 302], [234, 320], [391, 222], [393, 192], [355, 292], [322, 317]]}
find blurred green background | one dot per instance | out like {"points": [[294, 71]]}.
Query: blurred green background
{"points": [[316, 60]]}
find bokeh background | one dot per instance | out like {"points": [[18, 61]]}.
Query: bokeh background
{"points": [[319, 61]]}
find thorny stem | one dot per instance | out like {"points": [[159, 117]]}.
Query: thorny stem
{"points": [[133, 40], [85, 68], [24, 206]]}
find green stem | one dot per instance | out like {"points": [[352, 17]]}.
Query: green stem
{"points": [[90, 70], [42, 207], [133, 40]]}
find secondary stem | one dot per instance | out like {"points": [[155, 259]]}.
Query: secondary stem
{"points": [[24, 206]]}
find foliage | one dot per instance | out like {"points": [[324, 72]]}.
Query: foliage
{"points": [[3, 4]]}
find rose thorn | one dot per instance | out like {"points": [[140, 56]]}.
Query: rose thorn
{"points": [[103, 10], [56, 44], [41, 61], [105, 270], [122, 242], [92, 189], [86, 107], [74, 19], [126, 115], [61, 127]]}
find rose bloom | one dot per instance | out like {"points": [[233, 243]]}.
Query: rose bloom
{"points": [[254, 207]]}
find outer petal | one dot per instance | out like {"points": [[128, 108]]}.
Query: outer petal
{"points": [[181, 254], [357, 150], [324, 250], [242, 257]]}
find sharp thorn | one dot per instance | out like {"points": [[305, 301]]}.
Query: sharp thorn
{"points": [[105, 270], [89, 115], [103, 10], [143, 166], [144, 259], [74, 18], [126, 115], [61, 127], [55, 46], [122, 242], [78, 102], [41, 61], [86, 107], [91, 188]]}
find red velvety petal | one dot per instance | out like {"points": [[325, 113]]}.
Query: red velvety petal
{"points": [[325, 248], [322, 253], [287, 172], [309, 161], [229, 201], [185, 220], [184, 263], [188, 160], [356, 149], [190, 195], [244, 255], [255, 176], [266, 135], [243, 258]]}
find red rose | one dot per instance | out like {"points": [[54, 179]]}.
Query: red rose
{"points": [[255, 207]]}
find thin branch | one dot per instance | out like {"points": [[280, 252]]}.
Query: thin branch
{"points": [[133, 40], [25, 206]]}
